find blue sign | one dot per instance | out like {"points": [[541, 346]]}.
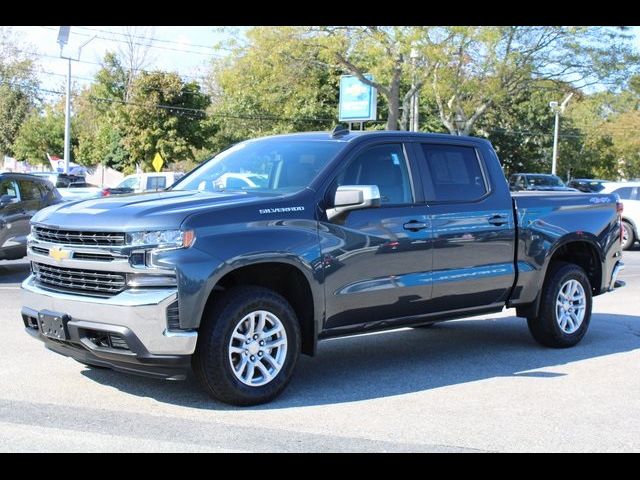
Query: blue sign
{"points": [[358, 101]]}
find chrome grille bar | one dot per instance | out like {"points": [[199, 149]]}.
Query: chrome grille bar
{"points": [[70, 237], [88, 282]]}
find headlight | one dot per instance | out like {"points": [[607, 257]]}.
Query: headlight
{"points": [[162, 238]]}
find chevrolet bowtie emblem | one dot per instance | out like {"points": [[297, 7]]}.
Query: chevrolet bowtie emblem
{"points": [[59, 253]]}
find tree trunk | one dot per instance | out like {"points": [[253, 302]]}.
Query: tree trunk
{"points": [[393, 100]]}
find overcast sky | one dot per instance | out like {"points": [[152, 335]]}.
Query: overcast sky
{"points": [[185, 50]]}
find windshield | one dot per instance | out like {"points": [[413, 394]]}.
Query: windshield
{"points": [[131, 182], [269, 165], [545, 181]]}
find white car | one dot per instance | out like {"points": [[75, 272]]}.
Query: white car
{"points": [[629, 193], [79, 191], [144, 182], [234, 181]]}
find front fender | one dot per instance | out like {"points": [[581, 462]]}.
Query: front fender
{"points": [[222, 249]]}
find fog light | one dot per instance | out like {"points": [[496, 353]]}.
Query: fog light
{"points": [[140, 280]]}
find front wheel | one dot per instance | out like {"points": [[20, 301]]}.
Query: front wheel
{"points": [[247, 347], [565, 308]]}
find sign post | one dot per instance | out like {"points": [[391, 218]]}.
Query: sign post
{"points": [[358, 101]]}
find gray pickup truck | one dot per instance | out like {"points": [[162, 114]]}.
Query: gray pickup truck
{"points": [[348, 233]]}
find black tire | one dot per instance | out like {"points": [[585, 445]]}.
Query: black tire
{"points": [[545, 328], [631, 239], [211, 359]]}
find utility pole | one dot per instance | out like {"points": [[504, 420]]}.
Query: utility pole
{"points": [[67, 121], [557, 109], [415, 114], [63, 39]]}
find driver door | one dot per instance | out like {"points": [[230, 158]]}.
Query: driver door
{"points": [[377, 261]]}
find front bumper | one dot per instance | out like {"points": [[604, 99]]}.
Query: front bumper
{"points": [[138, 316]]}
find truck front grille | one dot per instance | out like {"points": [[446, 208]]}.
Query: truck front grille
{"points": [[74, 237], [74, 280]]}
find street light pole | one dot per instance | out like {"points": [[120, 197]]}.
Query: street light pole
{"points": [[67, 121], [554, 162], [557, 109], [63, 38]]}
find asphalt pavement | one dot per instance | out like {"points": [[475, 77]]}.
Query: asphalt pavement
{"points": [[473, 385]]}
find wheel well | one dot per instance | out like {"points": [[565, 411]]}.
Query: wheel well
{"points": [[584, 255], [285, 279]]}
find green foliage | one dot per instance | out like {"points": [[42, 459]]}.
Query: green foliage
{"points": [[477, 69], [41, 134], [165, 115], [272, 85], [100, 118], [123, 125], [17, 90]]}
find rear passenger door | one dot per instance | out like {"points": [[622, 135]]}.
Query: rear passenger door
{"points": [[472, 223]]}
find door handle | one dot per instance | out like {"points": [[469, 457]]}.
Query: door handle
{"points": [[498, 220], [415, 225]]}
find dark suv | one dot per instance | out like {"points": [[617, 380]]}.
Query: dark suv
{"points": [[21, 196], [59, 180]]}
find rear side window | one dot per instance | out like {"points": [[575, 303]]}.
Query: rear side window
{"points": [[156, 183], [9, 188], [455, 172], [47, 192], [625, 193], [28, 190]]}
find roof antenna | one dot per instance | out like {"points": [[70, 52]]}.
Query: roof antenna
{"points": [[340, 130]]}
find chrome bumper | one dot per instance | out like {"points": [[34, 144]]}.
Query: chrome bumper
{"points": [[141, 312], [614, 276]]}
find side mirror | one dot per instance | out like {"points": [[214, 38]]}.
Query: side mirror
{"points": [[353, 197], [5, 200]]}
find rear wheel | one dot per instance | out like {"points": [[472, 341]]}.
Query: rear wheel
{"points": [[247, 347], [628, 237], [565, 308]]}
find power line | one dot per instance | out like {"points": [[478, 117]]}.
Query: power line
{"points": [[151, 38], [45, 55], [127, 40]]}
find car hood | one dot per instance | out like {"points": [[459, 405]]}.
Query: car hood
{"points": [[144, 211]]}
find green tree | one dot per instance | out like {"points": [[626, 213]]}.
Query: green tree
{"points": [[100, 117], [478, 68], [270, 85], [41, 134], [468, 71], [18, 90], [165, 115]]}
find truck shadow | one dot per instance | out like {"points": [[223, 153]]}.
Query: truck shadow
{"points": [[407, 361]]}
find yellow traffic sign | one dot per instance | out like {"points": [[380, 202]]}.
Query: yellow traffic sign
{"points": [[158, 162]]}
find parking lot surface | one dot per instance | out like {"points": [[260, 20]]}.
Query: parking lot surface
{"points": [[478, 384]]}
